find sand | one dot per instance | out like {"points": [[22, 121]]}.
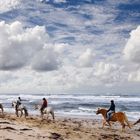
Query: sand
{"points": [[63, 128]]}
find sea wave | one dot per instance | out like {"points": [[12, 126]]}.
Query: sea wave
{"points": [[80, 104]]}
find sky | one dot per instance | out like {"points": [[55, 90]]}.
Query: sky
{"points": [[70, 46]]}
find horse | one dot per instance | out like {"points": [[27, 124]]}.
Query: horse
{"points": [[118, 116], [20, 108], [2, 110], [47, 111]]}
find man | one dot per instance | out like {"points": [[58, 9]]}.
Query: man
{"points": [[18, 103], [110, 110], [44, 105]]}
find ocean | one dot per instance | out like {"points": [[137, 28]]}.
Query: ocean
{"points": [[78, 105]]}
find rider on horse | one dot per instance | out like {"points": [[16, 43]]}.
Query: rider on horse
{"points": [[110, 110], [44, 105], [19, 107], [18, 103]]}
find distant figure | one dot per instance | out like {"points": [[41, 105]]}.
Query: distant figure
{"points": [[18, 103], [19, 100], [44, 105], [110, 110], [1, 107]]}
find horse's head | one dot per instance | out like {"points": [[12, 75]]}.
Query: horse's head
{"points": [[36, 107], [102, 111], [98, 111], [13, 104]]}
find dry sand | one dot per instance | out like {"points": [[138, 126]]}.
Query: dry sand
{"points": [[33, 128]]}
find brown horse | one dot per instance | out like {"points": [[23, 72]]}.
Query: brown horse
{"points": [[118, 116], [1, 107]]}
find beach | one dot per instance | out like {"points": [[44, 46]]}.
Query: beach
{"points": [[78, 60], [63, 128], [83, 105]]}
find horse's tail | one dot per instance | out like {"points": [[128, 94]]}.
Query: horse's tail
{"points": [[26, 111], [126, 120]]}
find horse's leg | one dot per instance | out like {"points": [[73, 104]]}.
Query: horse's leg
{"points": [[103, 123], [16, 111], [52, 113], [109, 124], [47, 115], [123, 126], [21, 113], [42, 115], [25, 112]]}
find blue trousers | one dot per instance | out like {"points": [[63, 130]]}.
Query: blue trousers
{"points": [[109, 113]]}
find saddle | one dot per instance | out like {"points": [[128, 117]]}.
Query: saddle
{"points": [[110, 116], [20, 106]]}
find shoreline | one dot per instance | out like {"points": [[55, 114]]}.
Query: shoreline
{"points": [[93, 116], [64, 128]]}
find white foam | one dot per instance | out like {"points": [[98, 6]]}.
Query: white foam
{"points": [[86, 109], [79, 104]]}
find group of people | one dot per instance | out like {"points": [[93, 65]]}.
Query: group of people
{"points": [[44, 104]]}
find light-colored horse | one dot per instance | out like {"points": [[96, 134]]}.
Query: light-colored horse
{"points": [[47, 111], [118, 116], [20, 108], [2, 110]]}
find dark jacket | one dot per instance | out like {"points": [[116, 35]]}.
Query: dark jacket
{"points": [[112, 107], [19, 102], [44, 103]]}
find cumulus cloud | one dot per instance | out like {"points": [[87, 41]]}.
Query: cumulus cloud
{"points": [[104, 68], [132, 48], [60, 47], [45, 60], [6, 77], [108, 73], [6, 5], [134, 76], [31, 52], [21, 46], [86, 58]]}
